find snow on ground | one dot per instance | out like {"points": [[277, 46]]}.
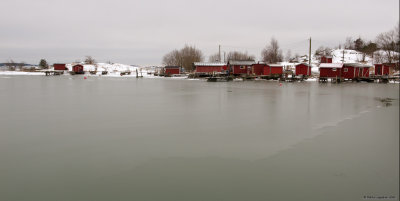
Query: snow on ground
{"points": [[350, 56], [20, 73]]}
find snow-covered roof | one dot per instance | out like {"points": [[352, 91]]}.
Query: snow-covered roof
{"points": [[331, 65], [275, 65], [172, 67], [357, 65], [303, 64], [242, 62], [209, 64]]}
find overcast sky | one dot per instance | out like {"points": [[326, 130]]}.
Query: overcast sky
{"points": [[142, 31]]}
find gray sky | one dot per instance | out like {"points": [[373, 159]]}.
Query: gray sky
{"points": [[142, 31]]}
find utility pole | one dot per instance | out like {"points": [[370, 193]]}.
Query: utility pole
{"points": [[309, 59], [343, 55], [219, 53]]}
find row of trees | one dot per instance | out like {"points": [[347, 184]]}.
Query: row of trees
{"points": [[388, 42], [12, 65], [186, 56]]}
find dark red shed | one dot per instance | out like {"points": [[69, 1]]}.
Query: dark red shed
{"points": [[172, 70], [303, 69], [205, 67], [326, 59], [77, 69], [330, 70], [258, 68], [59, 67], [384, 69], [241, 67], [355, 70], [276, 69]]}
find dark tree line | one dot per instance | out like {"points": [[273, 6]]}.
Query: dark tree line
{"points": [[184, 57]]}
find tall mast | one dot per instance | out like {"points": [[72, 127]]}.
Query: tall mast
{"points": [[219, 53], [309, 59]]}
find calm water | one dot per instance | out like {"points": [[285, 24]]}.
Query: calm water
{"points": [[66, 138]]}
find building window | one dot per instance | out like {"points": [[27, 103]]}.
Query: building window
{"points": [[333, 69], [346, 70], [242, 67]]}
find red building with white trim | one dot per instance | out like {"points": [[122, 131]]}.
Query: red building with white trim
{"points": [[240, 67], [78, 69], [172, 70], [326, 59], [205, 67], [330, 70], [60, 67], [385, 69], [303, 69], [275, 69]]}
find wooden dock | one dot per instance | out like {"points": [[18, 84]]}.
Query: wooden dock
{"points": [[49, 72]]}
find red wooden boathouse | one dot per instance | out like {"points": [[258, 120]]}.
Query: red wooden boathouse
{"points": [[384, 69], [354, 71], [206, 67], [275, 69], [77, 69], [172, 70], [330, 70], [303, 69], [326, 59], [241, 67], [258, 68], [59, 67]]}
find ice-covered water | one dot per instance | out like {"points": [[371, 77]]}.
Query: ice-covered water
{"points": [[105, 138]]}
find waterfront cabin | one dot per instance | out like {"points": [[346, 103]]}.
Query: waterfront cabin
{"points": [[326, 59], [355, 71], [258, 68], [330, 70], [275, 69], [172, 70], [60, 67], [385, 69], [240, 68], [303, 69], [77, 69], [209, 67]]}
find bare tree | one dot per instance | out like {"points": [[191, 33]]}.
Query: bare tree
{"points": [[21, 65], [378, 57], [89, 60], [288, 56], [272, 53], [388, 42], [214, 57], [240, 56], [172, 58], [43, 64], [189, 55], [11, 65], [349, 43], [183, 57]]}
